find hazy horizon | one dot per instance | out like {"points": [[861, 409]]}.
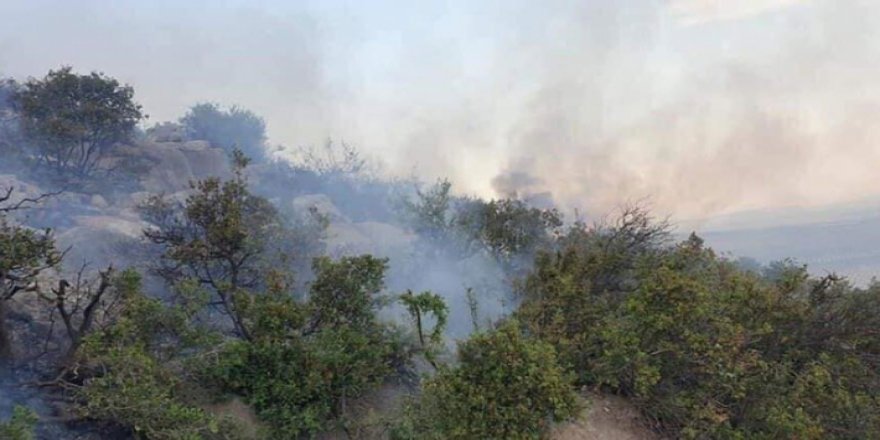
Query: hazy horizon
{"points": [[701, 107]]}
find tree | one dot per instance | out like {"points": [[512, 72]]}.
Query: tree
{"points": [[506, 386], [236, 128], [419, 306], [10, 132], [345, 291], [86, 305], [74, 121], [220, 237], [510, 230], [306, 360], [131, 371], [704, 348], [430, 214], [24, 255]]}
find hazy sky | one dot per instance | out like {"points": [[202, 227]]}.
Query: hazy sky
{"points": [[702, 106]]}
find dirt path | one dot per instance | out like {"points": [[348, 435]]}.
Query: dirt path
{"points": [[606, 418]]}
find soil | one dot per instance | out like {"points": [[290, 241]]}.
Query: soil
{"points": [[606, 418]]}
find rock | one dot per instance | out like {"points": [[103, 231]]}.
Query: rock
{"points": [[321, 203], [116, 225], [101, 240], [367, 237], [99, 202], [21, 189], [167, 132], [175, 164]]}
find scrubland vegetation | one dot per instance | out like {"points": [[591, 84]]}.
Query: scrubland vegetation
{"points": [[251, 308]]}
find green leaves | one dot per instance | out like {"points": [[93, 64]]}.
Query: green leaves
{"points": [[131, 371], [506, 386], [305, 360], [344, 292], [708, 350], [232, 129], [75, 120], [20, 426], [221, 238]]}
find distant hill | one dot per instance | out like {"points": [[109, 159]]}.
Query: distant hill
{"points": [[843, 239]]}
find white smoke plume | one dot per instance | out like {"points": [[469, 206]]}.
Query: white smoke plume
{"points": [[703, 107]]}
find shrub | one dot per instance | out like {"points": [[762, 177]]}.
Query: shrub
{"points": [[506, 386], [20, 426], [706, 349], [236, 128], [305, 360], [131, 372]]}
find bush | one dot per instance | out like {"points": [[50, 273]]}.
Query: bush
{"points": [[236, 128], [506, 386], [706, 349], [300, 386], [304, 361], [20, 426], [131, 372]]}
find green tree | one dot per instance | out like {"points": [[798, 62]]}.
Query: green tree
{"points": [[306, 360], [74, 121], [222, 237], [236, 128], [420, 307], [701, 346], [505, 386], [132, 371], [510, 230]]}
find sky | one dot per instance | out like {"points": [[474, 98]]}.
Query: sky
{"points": [[699, 108]]}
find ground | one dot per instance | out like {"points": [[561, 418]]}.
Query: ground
{"points": [[605, 418]]}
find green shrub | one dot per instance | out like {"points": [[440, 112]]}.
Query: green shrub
{"points": [[300, 386], [706, 349], [306, 360], [132, 371], [20, 426], [229, 129], [506, 386]]}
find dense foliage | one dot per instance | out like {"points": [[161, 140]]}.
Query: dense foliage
{"points": [[706, 349], [20, 426], [236, 128], [131, 372], [74, 121], [256, 313], [506, 386], [221, 236], [306, 360]]}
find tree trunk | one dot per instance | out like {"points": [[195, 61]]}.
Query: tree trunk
{"points": [[5, 339]]}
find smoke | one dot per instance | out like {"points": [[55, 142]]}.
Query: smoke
{"points": [[703, 107], [765, 114], [701, 11]]}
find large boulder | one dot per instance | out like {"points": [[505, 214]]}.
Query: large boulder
{"points": [[20, 188], [368, 237], [175, 164], [99, 239], [319, 203]]}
